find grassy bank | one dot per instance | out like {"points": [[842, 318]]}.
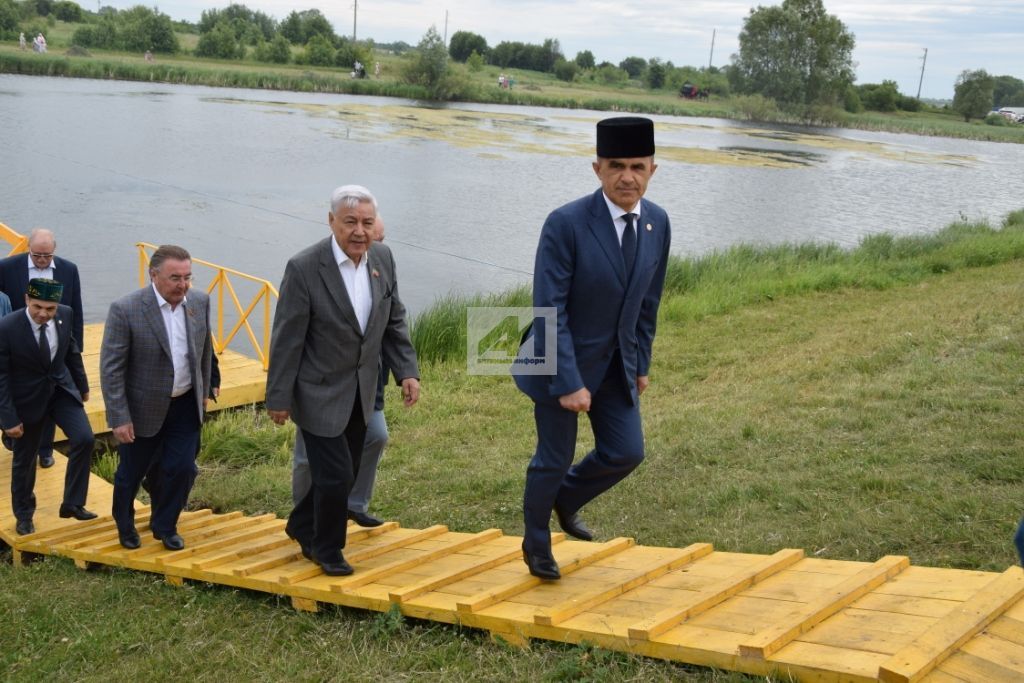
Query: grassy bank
{"points": [[854, 404], [532, 89]]}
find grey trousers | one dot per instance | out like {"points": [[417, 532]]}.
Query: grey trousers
{"points": [[362, 489]]}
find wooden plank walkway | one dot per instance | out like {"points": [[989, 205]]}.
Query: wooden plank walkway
{"points": [[812, 619]]}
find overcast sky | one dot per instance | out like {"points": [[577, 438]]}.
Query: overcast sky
{"points": [[891, 36]]}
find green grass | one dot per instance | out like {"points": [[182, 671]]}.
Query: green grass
{"points": [[880, 416], [532, 88]]}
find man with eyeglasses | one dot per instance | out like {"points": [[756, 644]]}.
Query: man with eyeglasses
{"points": [[42, 262], [155, 364]]}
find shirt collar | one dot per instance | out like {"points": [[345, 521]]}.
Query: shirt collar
{"points": [[160, 301], [616, 211], [32, 264]]}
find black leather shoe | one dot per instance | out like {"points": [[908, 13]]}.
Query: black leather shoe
{"points": [[46, 461], [364, 519], [129, 538], [542, 567], [8, 442], [336, 568], [171, 541], [574, 526], [24, 527], [77, 511]]}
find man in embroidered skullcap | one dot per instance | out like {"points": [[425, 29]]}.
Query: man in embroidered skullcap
{"points": [[599, 271], [42, 379]]}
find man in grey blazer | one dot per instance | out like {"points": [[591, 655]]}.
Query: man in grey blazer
{"points": [[155, 364], [338, 313]]}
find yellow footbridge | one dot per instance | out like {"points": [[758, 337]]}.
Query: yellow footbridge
{"points": [[785, 614]]}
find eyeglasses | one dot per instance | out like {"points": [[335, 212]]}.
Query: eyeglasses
{"points": [[35, 254], [178, 279]]}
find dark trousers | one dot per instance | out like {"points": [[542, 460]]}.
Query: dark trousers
{"points": [[320, 520], [46, 442], [174, 448], [65, 411], [552, 481]]}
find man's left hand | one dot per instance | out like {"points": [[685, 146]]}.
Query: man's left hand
{"points": [[85, 397], [410, 391], [641, 383]]}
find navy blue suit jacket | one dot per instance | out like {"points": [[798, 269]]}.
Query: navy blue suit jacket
{"points": [[579, 271], [14, 282], [26, 383]]}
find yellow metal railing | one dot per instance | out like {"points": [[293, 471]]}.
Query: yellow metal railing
{"points": [[18, 242], [222, 283]]}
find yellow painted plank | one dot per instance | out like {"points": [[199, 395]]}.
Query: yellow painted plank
{"points": [[856, 629], [378, 573], [902, 604], [602, 592], [567, 566], [234, 554], [1008, 629], [771, 640], [978, 669], [997, 650], [814, 662], [714, 594], [957, 628], [227, 538]]}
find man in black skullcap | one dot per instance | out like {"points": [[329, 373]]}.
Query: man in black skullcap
{"points": [[42, 378], [600, 267]]}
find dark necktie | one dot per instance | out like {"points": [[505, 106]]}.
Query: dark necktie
{"points": [[44, 344], [629, 245]]}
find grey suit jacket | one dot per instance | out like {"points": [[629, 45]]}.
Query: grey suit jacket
{"points": [[318, 356], [135, 359]]}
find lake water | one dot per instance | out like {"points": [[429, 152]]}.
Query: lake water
{"points": [[243, 178]]}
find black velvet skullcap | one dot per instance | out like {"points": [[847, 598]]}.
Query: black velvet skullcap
{"points": [[624, 137]]}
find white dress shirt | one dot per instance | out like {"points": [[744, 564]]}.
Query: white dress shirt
{"points": [[174, 323], [51, 333], [619, 217], [39, 272], [357, 283]]}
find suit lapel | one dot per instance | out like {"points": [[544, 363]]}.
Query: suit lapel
{"points": [[331, 277], [642, 240], [375, 284], [603, 228], [32, 341], [151, 309]]}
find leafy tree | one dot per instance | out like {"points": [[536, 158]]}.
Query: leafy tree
{"points": [[879, 97], [851, 101], [319, 51], [102, 34], [634, 66], [465, 43], [220, 42], [611, 74], [973, 94], [43, 7], [565, 71], [1007, 92], [518, 55], [299, 27], [794, 53], [250, 26], [349, 52], [141, 28], [278, 51], [65, 10], [9, 16], [908, 103], [428, 66], [656, 74], [585, 59], [475, 62]]}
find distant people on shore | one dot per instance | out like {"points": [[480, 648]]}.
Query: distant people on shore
{"points": [[39, 44], [22, 44], [148, 56], [376, 69]]}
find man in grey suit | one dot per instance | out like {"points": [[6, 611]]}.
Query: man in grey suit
{"points": [[339, 312], [155, 364]]}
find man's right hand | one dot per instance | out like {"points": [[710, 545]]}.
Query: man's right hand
{"points": [[279, 416], [578, 401], [125, 433], [15, 432]]}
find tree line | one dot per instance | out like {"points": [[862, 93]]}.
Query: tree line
{"points": [[795, 54]]}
